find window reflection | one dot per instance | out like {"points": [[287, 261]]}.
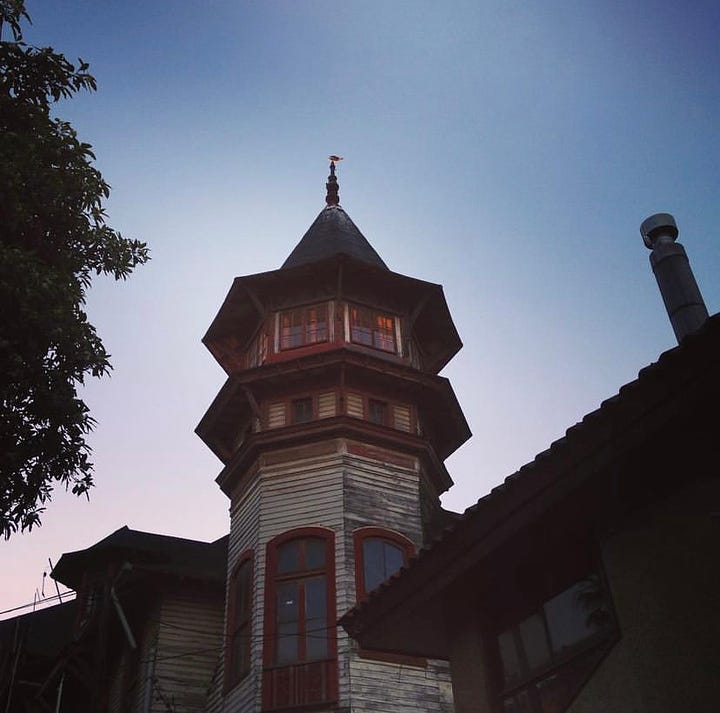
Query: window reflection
{"points": [[381, 559], [301, 607], [551, 646]]}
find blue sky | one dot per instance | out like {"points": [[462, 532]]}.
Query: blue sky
{"points": [[506, 150]]}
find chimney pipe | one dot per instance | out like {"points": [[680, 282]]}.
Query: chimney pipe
{"points": [[680, 293]]}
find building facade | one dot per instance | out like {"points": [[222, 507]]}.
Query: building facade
{"points": [[332, 427], [588, 580]]}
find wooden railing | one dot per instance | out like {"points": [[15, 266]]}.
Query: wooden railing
{"points": [[300, 684]]}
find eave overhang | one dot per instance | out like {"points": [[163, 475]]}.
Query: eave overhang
{"points": [[149, 552], [671, 396], [340, 277], [326, 429], [434, 394]]}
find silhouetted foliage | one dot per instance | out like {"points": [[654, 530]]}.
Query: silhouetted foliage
{"points": [[53, 239]]}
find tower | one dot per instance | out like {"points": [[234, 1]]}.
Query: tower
{"points": [[333, 427]]}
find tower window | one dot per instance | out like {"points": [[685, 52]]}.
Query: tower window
{"points": [[302, 410], [303, 326], [300, 644], [372, 329], [239, 631], [379, 554], [378, 412]]}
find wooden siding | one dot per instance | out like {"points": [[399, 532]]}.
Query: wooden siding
{"points": [[277, 415], [324, 485], [354, 405], [190, 636], [401, 418], [244, 535], [326, 405], [131, 672], [392, 688]]}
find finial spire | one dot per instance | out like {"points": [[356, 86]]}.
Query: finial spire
{"points": [[333, 197]]}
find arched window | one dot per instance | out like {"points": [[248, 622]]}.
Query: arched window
{"points": [[379, 553], [300, 654], [239, 621]]}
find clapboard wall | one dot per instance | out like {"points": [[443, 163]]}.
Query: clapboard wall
{"points": [[341, 485]]}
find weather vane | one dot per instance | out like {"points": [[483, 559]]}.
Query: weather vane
{"points": [[333, 197]]}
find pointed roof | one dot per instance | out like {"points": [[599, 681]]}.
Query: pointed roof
{"points": [[333, 233]]}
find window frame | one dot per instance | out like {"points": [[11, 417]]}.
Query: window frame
{"points": [[233, 627], [304, 324], [374, 313], [381, 533], [272, 580], [309, 398], [583, 649]]}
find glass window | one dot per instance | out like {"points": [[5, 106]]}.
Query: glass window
{"points": [[372, 329], [377, 411], [302, 410], [303, 326], [379, 555], [301, 600], [300, 649], [575, 615], [239, 622], [555, 642]]}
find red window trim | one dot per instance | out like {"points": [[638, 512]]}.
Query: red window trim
{"points": [[270, 611], [245, 558], [409, 549], [383, 533]]}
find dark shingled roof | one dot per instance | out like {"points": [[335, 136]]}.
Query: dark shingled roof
{"points": [[333, 233], [150, 552]]}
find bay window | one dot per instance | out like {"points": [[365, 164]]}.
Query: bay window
{"points": [[300, 655], [239, 622]]}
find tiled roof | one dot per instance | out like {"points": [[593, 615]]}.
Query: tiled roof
{"points": [[333, 233], [660, 382]]}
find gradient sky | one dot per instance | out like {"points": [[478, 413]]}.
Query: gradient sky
{"points": [[507, 150]]}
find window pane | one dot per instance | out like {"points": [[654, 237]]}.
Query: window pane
{"points": [[373, 563], [242, 593], [287, 643], [512, 668], [289, 557], [287, 622], [534, 640], [240, 653], [377, 411], [314, 553], [315, 598], [302, 326], [316, 617], [362, 335], [394, 559], [575, 614], [287, 602], [316, 640], [385, 333], [302, 410], [315, 324], [361, 326]]}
